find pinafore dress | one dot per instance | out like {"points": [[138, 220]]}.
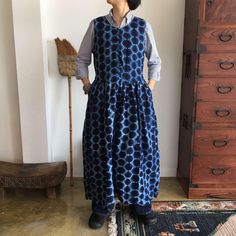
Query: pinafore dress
{"points": [[120, 132]]}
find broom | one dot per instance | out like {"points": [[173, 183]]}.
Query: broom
{"points": [[66, 59]]}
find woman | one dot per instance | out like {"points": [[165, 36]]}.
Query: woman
{"points": [[120, 143]]}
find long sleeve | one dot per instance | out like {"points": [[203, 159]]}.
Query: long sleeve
{"points": [[152, 54], [85, 53]]}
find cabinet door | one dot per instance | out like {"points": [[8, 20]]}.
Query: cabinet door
{"points": [[219, 11]]}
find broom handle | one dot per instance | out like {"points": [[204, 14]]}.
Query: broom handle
{"points": [[70, 116]]}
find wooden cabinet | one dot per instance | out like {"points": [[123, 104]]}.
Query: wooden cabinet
{"points": [[207, 124]]}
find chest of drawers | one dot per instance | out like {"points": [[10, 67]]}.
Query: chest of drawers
{"points": [[207, 124]]}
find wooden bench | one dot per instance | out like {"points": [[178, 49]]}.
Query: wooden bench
{"points": [[32, 176]]}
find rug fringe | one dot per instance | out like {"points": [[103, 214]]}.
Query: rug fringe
{"points": [[111, 222]]}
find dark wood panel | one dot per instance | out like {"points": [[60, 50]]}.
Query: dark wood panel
{"points": [[210, 89], [217, 64], [216, 111], [215, 142], [190, 25], [186, 113], [214, 169]]}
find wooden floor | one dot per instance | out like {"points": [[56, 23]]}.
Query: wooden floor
{"points": [[30, 213]]}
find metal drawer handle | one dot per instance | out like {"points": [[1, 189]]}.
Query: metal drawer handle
{"points": [[209, 3], [222, 112], [225, 37], [226, 65], [217, 171], [228, 89], [220, 143]]}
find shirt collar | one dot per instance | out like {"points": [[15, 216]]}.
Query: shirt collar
{"points": [[128, 17]]}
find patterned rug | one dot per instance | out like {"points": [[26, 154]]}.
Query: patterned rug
{"points": [[177, 218]]}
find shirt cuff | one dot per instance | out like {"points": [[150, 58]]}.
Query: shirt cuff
{"points": [[154, 73], [82, 71], [82, 74]]}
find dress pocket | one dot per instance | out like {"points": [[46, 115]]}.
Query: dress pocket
{"points": [[90, 88], [146, 84]]}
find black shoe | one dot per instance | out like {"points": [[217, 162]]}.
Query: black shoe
{"points": [[96, 221], [149, 218]]}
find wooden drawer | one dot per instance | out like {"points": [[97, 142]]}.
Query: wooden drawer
{"points": [[216, 111], [214, 169], [218, 11], [217, 64], [216, 89], [215, 142], [217, 39], [218, 35]]}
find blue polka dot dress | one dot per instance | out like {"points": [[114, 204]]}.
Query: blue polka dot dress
{"points": [[120, 133]]}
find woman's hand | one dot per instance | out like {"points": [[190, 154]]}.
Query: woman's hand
{"points": [[151, 84], [86, 85]]}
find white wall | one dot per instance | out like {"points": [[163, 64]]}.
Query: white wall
{"points": [[31, 80], [10, 135], [70, 19]]}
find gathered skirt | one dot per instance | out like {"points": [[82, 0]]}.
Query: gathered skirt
{"points": [[120, 143]]}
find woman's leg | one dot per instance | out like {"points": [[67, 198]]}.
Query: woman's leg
{"points": [[148, 216], [142, 210], [98, 216], [99, 209]]}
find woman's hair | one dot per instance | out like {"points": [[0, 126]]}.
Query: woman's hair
{"points": [[133, 4]]}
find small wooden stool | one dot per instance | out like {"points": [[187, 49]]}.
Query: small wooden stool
{"points": [[32, 176]]}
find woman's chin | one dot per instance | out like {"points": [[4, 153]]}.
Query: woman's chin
{"points": [[109, 1]]}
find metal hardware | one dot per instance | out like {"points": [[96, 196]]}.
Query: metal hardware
{"points": [[196, 99], [222, 112], [196, 125], [191, 185], [220, 143], [224, 37], [201, 48], [223, 65], [192, 155], [217, 171], [180, 115], [209, 3], [227, 88]]}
